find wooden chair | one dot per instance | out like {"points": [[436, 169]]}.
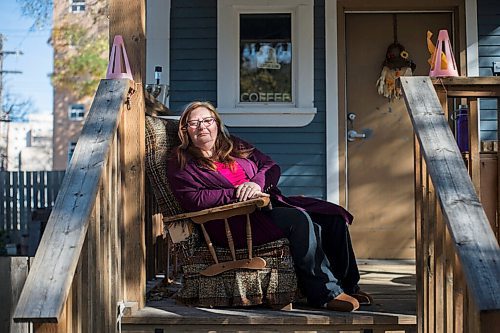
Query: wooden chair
{"points": [[216, 276]]}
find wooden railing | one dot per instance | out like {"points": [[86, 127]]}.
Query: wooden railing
{"points": [[457, 255], [91, 259], [455, 91]]}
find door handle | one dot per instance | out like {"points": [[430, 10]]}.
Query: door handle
{"points": [[352, 135]]}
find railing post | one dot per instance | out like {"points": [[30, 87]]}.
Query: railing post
{"points": [[132, 140], [418, 169], [474, 162]]}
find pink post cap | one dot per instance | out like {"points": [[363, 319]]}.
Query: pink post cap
{"points": [[117, 59]]}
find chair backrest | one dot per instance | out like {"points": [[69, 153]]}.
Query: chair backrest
{"points": [[161, 139]]}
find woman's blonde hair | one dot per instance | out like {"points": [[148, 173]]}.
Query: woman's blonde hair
{"points": [[224, 149]]}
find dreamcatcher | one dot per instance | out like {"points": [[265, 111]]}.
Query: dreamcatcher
{"points": [[397, 63]]}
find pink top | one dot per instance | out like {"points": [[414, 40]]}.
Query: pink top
{"points": [[234, 173]]}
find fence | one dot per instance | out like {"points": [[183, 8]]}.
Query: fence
{"points": [[21, 193]]}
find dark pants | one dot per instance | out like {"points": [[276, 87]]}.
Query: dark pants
{"points": [[322, 252]]}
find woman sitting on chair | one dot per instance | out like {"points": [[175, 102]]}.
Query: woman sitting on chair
{"points": [[212, 168]]}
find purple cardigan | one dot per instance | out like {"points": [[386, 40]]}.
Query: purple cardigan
{"points": [[198, 188]]}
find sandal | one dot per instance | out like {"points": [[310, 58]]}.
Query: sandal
{"points": [[362, 297]]}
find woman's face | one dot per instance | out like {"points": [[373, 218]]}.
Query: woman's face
{"points": [[202, 129]]}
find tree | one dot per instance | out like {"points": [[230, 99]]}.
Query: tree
{"points": [[14, 108], [82, 55], [84, 63], [39, 10]]}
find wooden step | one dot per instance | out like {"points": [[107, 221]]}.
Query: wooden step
{"points": [[392, 285]]}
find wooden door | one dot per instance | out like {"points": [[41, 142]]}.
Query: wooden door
{"points": [[380, 181]]}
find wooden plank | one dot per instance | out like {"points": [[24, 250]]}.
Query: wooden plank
{"points": [[424, 286], [15, 218], [80, 293], [439, 264], [98, 299], [13, 273], [242, 207], [418, 230], [23, 218], [430, 226], [92, 270], [448, 300], [458, 296], [106, 192], [391, 282], [50, 279], [128, 19], [475, 243], [114, 238], [36, 189], [475, 162], [43, 187], [468, 83], [132, 182], [29, 196]]}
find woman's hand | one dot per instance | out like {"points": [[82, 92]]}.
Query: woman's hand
{"points": [[249, 190]]}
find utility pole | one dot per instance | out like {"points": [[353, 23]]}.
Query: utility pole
{"points": [[4, 118], [2, 72]]}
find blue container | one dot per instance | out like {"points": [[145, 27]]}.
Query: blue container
{"points": [[463, 128]]}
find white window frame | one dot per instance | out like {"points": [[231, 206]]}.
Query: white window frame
{"points": [[74, 114], [299, 113], [76, 6]]}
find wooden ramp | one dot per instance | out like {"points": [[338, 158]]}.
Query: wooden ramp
{"points": [[392, 283]]}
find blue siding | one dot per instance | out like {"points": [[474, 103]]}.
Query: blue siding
{"points": [[489, 51], [300, 151], [193, 52]]}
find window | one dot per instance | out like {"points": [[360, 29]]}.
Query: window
{"points": [[265, 58], [76, 111], [261, 80], [71, 150], [77, 6]]}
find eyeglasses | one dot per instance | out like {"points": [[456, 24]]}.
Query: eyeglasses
{"points": [[196, 123]]}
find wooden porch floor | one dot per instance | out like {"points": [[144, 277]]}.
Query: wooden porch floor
{"points": [[391, 282]]}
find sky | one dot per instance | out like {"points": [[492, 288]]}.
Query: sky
{"points": [[35, 63]]}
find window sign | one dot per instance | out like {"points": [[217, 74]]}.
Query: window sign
{"points": [[265, 58]]}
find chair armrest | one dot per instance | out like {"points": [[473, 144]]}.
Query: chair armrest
{"points": [[221, 212]]}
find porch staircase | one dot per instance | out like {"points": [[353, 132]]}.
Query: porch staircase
{"points": [[391, 282], [91, 259]]}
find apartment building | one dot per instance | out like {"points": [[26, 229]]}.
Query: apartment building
{"points": [[77, 26]]}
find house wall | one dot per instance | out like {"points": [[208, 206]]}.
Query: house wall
{"points": [[300, 151], [488, 13]]}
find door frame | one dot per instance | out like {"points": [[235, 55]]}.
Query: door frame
{"points": [[335, 12]]}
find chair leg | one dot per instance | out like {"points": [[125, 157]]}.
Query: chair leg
{"points": [[282, 307]]}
